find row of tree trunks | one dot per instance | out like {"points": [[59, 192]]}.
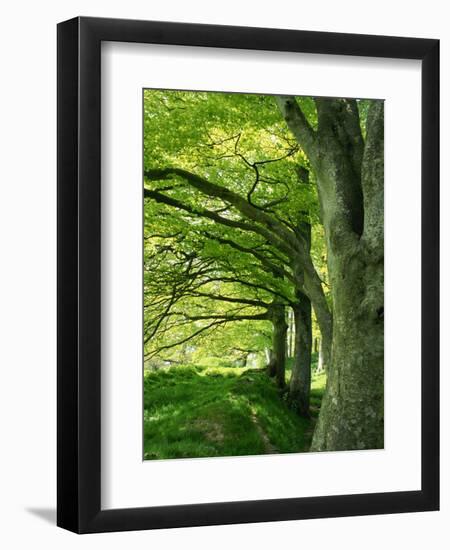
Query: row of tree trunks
{"points": [[301, 335]]}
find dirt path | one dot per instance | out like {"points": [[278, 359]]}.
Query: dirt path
{"points": [[269, 449]]}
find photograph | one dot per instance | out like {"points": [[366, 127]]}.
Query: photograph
{"points": [[263, 274]]}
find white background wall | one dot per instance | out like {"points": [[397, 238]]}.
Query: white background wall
{"points": [[28, 270]]}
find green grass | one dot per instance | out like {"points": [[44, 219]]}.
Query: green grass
{"points": [[221, 411]]}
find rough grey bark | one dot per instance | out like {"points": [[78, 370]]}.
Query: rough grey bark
{"points": [[352, 415], [349, 175], [300, 383]]}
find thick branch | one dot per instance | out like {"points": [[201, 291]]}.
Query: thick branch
{"points": [[270, 266], [268, 235], [255, 317], [338, 169], [278, 232], [299, 126], [221, 298], [249, 284]]}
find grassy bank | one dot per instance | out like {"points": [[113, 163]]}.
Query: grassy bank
{"points": [[221, 411]]}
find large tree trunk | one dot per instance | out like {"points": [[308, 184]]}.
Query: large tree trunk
{"points": [[352, 412], [349, 174], [351, 415], [300, 384]]}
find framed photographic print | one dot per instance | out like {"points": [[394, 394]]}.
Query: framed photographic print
{"points": [[248, 253]]}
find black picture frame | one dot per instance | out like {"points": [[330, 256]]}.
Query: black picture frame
{"points": [[79, 281]]}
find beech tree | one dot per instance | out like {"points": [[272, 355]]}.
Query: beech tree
{"points": [[349, 169], [257, 206]]}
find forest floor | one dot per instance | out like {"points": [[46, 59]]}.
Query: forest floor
{"points": [[193, 411]]}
